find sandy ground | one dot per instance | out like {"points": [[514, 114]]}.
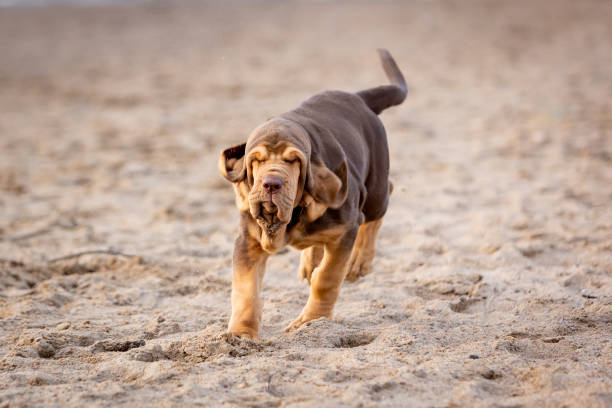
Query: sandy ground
{"points": [[492, 284]]}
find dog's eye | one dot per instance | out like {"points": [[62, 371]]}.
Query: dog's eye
{"points": [[290, 161]]}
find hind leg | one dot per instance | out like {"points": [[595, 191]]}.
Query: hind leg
{"points": [[309, 260], [364, 250]]}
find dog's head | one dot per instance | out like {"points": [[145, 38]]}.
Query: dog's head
{"points": [[274, 172]]}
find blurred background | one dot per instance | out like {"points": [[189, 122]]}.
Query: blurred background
{"points": [[119, 112], [113, 114]]}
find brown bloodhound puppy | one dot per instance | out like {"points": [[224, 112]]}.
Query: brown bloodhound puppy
{"points": [[315, 178]]}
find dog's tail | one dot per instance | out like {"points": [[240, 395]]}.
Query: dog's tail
{"points": [[382, 97]]}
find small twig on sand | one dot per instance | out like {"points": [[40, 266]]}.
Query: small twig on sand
{"points": [[32, 234], [61, 221], [91, 252]]}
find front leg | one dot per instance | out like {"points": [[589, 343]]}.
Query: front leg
{"points": [[249, 268], [326, 280], [309, 260]]}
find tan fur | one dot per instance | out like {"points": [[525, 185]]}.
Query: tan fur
{"points": [[273, 163], [325, 285], [314, 208], [311, 258], [242, 196], [364, 251], [299, 239], [249, 268]]}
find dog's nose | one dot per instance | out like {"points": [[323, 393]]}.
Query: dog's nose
{"points": [[272, 184]]}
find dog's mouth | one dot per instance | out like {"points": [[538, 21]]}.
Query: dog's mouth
{"points": [[268, 212], [271, 210], [267, 217]]}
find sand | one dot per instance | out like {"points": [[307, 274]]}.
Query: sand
{"points": [[492, 283]]}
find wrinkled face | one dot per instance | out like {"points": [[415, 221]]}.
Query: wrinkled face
{"points": [[273, 173]]}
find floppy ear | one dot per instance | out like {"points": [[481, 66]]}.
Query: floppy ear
{"points": [[328, 187], [231, 163]]}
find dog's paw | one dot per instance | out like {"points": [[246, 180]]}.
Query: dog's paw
{"points": [[302, 319], [360, 264], [294, 325], [305, 317], [242, 334], [229, 338]]}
